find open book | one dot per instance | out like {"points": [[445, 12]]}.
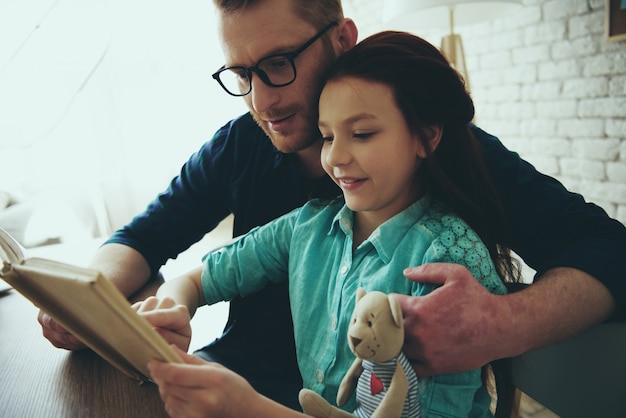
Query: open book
{"points": [[89, 306]]}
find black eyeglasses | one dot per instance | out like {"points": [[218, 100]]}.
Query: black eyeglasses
{"points": [[277, 70]]}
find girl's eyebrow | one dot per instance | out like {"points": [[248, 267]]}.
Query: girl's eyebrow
{"points": [[359, 116], [351, 119]]}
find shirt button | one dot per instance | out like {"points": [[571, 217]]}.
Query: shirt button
{"points": [[344, 269], [333, 323], [320, 376]]}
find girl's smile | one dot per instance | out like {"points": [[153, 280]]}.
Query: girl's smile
{"points": [[368, 148]]}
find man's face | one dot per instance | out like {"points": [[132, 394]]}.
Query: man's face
{"points": [[288, 114]]}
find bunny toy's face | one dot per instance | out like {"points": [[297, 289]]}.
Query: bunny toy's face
{"points": [[376, 331]]}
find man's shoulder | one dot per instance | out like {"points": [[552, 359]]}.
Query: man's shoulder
{"points": [[240, 136], [244, 122], [485, 138], [242, 128]]}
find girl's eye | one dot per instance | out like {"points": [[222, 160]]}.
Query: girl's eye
{"points": [[363, 135], [327, 138]]}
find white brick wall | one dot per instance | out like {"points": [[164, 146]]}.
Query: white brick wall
{"points": [[546, 82]]}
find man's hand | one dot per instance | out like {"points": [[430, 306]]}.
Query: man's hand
{"points": [[169, 319], [457, 327], [57, 335], [460, 326]]}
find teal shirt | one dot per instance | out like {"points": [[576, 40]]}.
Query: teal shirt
{"points": [[312, 247]]}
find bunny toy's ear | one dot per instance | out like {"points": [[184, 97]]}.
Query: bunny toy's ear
{"points": [[360, 292], [396, 311]]}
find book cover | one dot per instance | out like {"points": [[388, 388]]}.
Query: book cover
{"points": [[89, 306]]}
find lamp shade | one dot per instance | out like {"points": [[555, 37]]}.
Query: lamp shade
{"points": [[431, 14]]}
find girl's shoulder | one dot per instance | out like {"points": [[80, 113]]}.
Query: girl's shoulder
{"points": [[454, 241], [438, 218]]}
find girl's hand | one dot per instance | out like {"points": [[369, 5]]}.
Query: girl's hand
{"points": [[169, 319], [202, 389]]}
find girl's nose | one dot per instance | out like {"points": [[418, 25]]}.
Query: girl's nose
{"points": [[337, 153]]}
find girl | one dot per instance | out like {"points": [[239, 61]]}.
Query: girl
{"points": [[394, 120]]}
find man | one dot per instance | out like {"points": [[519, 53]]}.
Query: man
{"points": [[266, 163]]}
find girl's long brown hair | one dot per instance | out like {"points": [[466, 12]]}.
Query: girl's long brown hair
{"points": [[429, 93]]}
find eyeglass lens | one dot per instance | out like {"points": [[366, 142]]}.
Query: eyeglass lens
{"points": [[275, 71]]}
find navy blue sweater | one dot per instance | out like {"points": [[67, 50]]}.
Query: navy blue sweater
{"points": [[240, 172]]}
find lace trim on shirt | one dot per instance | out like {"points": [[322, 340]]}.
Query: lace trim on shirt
{"points": [[457, 243]]}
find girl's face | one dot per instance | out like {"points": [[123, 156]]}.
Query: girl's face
{"points": [[368, 149]]}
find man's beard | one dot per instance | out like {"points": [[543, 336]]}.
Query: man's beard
{"points": [[305, 135]]}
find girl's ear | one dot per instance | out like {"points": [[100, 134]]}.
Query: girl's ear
{"points": [[435, 133]]}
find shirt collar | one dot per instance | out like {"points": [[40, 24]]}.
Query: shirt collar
{"points": [[386, 238], [342, 220]]}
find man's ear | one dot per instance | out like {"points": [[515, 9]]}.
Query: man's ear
{"points": [[347, 34], [434, 132]]}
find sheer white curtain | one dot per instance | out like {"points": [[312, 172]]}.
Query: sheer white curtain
{"points": [[105, 96]]}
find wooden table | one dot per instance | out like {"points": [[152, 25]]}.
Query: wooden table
{"points": [[39, 380]]}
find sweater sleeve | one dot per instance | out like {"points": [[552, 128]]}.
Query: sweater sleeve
{"points": [[214, 182], [552, 227]]}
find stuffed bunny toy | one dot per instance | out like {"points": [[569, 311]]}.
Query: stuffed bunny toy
{"points": [[386, 385]]}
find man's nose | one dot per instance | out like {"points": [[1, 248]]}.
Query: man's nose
{"points": [[262, 97]]}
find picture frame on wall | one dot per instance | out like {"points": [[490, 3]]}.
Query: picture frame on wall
{"points": [[615, 20]]}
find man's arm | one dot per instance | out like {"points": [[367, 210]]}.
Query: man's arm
{"points": [[563, 303], [551, 227], [574, 246], [178, 217], [573, 299], [123, 265]]}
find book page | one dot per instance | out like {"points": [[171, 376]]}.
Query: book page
{"points": [[10, 250]]}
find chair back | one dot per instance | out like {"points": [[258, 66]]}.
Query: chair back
{"points": [[584, 376]]}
